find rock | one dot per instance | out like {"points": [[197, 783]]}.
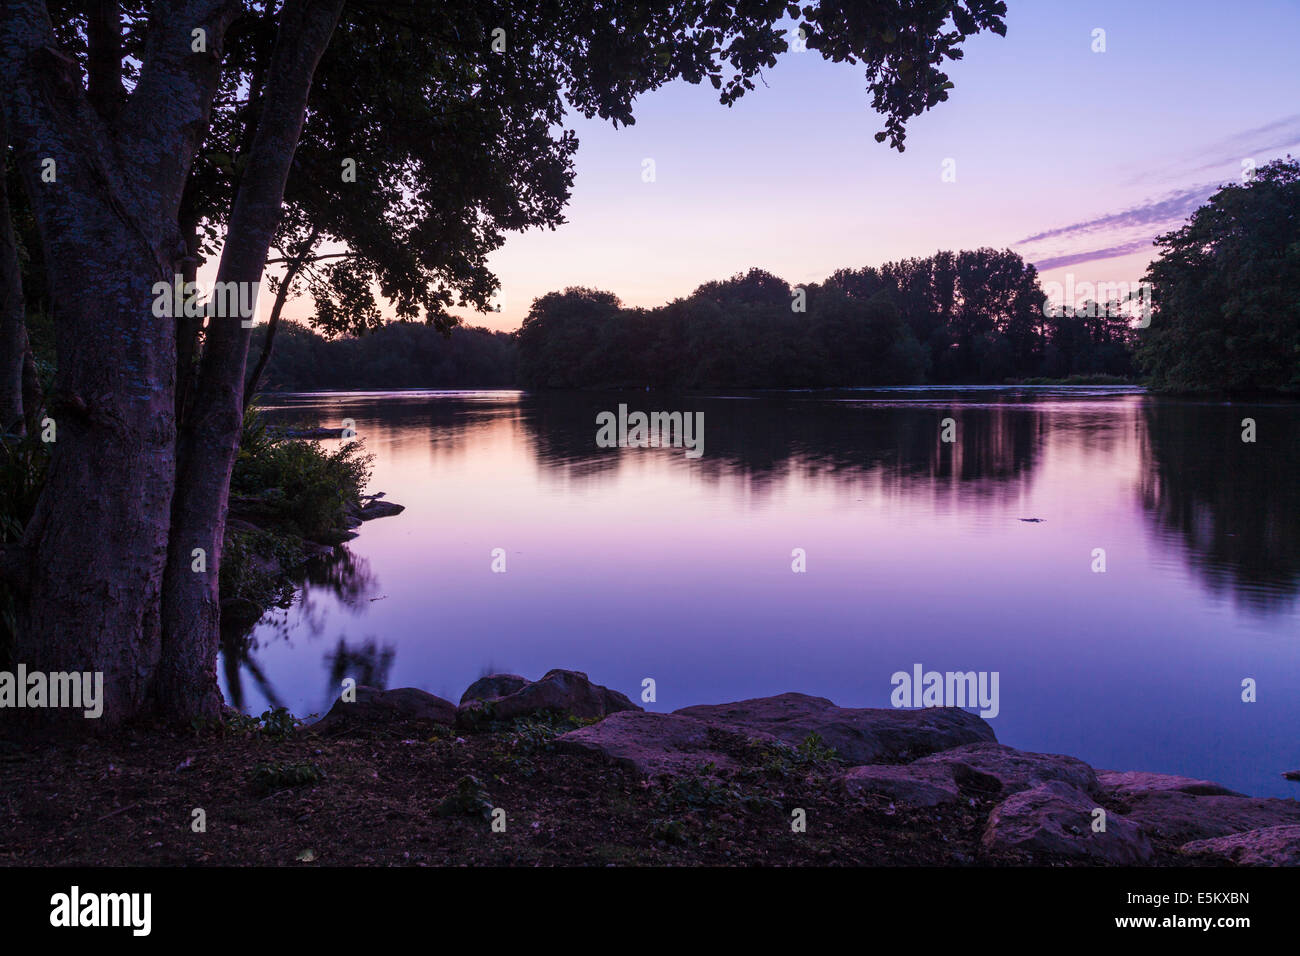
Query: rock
{"points": [[494, 685], [566, 691], [859, 735], [654, 744], [316, 431], [1054, 821], [1126, 783], [375, 708], [1270, 846], [995, 769], [379, 509], [911, 784], [1182, 817], [982, 769]]}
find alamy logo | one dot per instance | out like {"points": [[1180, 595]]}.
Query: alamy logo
{"points": [[1129, 300], [224, 300], [102, 909], [951, 689], [653, 430], [59, 689]]}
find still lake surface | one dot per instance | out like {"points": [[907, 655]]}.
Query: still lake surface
{"points": [[633, 563]]}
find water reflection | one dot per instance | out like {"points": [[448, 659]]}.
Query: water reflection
{"points": [[1233, 505], [325, 584], [630, 563]]}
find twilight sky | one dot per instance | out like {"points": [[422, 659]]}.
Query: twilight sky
{"points": [[1072, 158]]}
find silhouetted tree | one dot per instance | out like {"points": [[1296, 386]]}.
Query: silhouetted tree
{"points": [[1226, 312]]}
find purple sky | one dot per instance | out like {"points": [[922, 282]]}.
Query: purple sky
{"points": [[1073, 158]]}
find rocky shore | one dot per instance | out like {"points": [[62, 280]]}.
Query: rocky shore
{"points": [[561, 771], [1042, 808]]}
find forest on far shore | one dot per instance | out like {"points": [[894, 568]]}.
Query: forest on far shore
{"points": [[970, 317]]}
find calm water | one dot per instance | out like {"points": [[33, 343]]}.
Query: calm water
{"points": [[634, 563]]}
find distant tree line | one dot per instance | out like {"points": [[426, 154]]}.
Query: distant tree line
{"points": [[951, 318], [396, 355]]}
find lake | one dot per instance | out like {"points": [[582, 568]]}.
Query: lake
{"points": [[975, 554]]}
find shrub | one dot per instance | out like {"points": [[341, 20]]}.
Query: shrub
{"points": [[297, 483]]}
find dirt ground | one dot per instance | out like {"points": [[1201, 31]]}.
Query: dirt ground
{"points": [[421, 795]]}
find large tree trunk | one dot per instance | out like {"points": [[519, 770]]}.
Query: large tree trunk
{"points": [[210, 441], [107, 582], [13, 332], [96, 547]]}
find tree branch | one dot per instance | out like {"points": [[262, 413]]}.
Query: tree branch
{"points": [[104, 63], [166, 116]]}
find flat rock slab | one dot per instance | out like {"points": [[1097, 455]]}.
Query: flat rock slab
{"points": [[859, 735], [983, 769], [379, 509], [909, 783], [1127, 783], [654, 744], [1054, 821], [1183, 817], [374, 708], [997, 770], [1271, 846], [565, 691]]}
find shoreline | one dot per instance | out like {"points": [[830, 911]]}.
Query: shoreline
{"points": [[561, 771]]}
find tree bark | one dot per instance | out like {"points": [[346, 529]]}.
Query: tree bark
{"points": [[191, 610], [107, 220], [13, 330], [33, 397]]}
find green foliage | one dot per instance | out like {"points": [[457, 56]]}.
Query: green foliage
{"points": [[278, 723], [669, 831], [698, 790], [525, 737], [269, 777], [274, 724], [469, 799], [296, 484], [1226, 291], [253, 563], [782, 761]]}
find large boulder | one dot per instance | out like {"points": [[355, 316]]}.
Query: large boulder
{"points": [[1271, 846], [982, 769], [1182, 817], [565, 691], [1127, 783], [859, 735], [494, 685], [654, 744], [375, 709], [997, 770], [1054, 821]]}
